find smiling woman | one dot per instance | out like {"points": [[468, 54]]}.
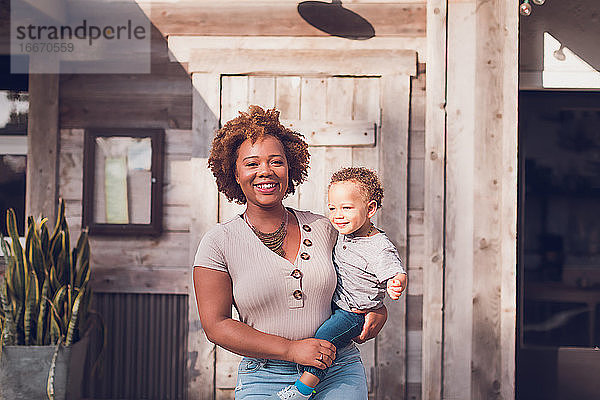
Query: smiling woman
{"points": [[274, 264]]}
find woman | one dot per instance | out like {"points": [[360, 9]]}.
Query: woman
{"points": [[274, 264]]}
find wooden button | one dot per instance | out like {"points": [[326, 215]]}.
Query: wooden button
{"points": [[297, 294], [297, 273], [306, 228], [307, 242], [344, 247], [305, 256]]}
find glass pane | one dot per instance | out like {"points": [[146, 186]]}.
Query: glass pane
{"points": [[561, 257], [123, 180], [14, 106], [12, 189]]}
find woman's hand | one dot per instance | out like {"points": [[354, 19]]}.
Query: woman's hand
{"points": [[314, 352], [374, 321]]}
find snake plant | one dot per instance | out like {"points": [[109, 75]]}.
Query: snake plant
{"points": [[45, 295]]}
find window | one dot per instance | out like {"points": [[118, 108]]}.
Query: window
{"points": [[14, 106]]}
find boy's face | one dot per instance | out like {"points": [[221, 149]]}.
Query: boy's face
{"points": [[349, 212]]}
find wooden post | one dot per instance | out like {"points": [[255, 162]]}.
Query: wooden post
{"points": [[480, 212], [42, 146], [393, 161], [204, 212], [435, 160]]}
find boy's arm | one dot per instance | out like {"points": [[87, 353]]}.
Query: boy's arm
{"points": [[396, 285]]}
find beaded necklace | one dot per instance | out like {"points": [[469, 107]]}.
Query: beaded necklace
{"points": [[273, 240]]}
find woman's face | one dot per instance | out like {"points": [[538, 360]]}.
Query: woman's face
{"points": [[261, 170]]}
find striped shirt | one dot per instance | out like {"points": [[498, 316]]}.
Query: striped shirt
{"points": [[268, 294]]}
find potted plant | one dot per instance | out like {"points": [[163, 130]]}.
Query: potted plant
{"points": [[44, 311]]}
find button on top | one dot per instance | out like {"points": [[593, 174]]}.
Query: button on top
{"points": [[296, 273], [307, 242], [306, 228], [305, 256], [297, 294], [344, 247]]}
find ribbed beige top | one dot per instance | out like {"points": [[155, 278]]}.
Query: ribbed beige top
{"points": [[266, 293]]}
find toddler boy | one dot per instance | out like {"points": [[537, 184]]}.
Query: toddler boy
{"points": [[366, 262]]}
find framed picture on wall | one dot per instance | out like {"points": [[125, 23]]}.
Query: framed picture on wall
{"points": [[123, 180]]}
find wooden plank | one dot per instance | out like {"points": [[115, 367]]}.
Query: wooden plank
{"points": [[432, 275], [277, 19], [234, 98], [170, 249], [434, 197], [413, 356], [181, 47], [141, 280], [138, 111], [305, 62], [42, 146], [416, 191], [335, 133], [200, 375], [393, 160], [366, 106], [460, 186], [494, 279], [508, 203], [206, 103], [261, 91], [287, 96], [287, 101], [312, 193], [178, 141]]}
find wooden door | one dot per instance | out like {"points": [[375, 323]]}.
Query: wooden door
{"points": [[340, 118], [352, 114]]}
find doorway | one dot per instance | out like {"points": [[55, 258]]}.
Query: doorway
{"points": [[558, 331]]}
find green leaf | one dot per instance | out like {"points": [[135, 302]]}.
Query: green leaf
{"points": [[5, 249], [45, 241], [83, 260], [56, 323], [9, 328], [59, 222], [31, 309], [73, 327], [35, 255], [17, 252], [50, 382], [42, 323]]}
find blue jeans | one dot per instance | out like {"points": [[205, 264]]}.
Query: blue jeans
{"points": [[346, 380], [339, 330]]}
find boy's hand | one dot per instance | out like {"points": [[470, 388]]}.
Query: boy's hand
{"points": [[396, 286]]}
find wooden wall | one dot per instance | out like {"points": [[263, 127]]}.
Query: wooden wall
{"points": [[164, 99]]}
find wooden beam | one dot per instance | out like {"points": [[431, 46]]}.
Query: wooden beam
{"points": [[434, 197], [481, 206], [460, 187], [393, 163], [204, 208], [141, 280], [277, 19], [42, 146], [304, 62], [181, 47]]}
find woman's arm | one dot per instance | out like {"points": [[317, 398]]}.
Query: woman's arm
{"points": [[214, 297]]}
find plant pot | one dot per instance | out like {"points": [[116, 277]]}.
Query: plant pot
{"points": [[24, 371]]}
